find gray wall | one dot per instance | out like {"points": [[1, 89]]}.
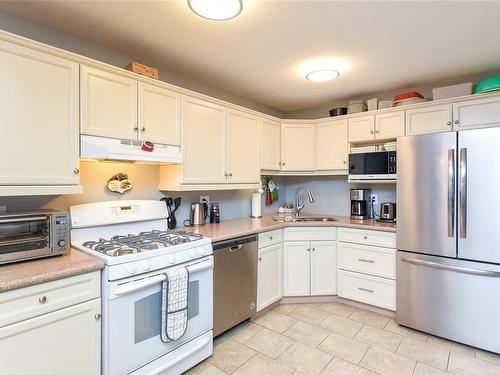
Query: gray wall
{"points": [[30, 29], [331, 194], [426, 90]]}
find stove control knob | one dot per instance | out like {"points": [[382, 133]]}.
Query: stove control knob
{"points": [[201, 251], [191, 253], [146, 265], [131, 268], [171, 259]]}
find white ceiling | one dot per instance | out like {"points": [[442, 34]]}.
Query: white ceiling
{"points": [[382, 45]]}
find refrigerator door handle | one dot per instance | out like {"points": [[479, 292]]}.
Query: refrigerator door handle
{"points": [[451, 193], [463, 193], [470, 271]]}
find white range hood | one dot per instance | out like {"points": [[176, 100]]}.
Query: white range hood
{"points": [[102, 148]]}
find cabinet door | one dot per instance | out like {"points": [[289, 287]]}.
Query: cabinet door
{"points": [[159, 115], [243, 148], [269, 275], [362, 129], [204, 142], [108, 104], [297, 269], [39, 136], [66, 341], [297, 147], [331, 145], [323, 267], [270, 143], [390, 125], [476, 113], [429, 119]]}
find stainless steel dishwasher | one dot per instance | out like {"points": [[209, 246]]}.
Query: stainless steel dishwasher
{"points": [[235, 281]]}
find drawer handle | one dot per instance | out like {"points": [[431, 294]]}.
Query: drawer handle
{"points": [[366, 290], [42, 299], [365, 237], [366, 260]]}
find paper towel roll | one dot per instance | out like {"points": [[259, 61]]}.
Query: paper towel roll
{"points": [[256, 205]]}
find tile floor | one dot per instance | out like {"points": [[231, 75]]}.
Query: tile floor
{"points": [[337, 339]]}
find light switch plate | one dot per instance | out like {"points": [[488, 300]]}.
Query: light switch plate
{"points": [[3, 208]]}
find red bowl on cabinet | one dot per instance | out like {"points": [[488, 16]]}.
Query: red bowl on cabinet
{"points": [[407, 95]]}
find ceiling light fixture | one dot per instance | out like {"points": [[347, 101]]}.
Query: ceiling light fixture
{"points": [[216, 10], [322, 75]]}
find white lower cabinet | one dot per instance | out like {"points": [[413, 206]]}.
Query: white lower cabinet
{"points": [[367, 267], [269, 268], [309, 261], [66, 340]]}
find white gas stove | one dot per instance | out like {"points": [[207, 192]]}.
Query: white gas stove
{"points": [[131, 239]]}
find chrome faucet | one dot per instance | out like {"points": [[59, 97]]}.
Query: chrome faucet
{"points": [[300, 205]]}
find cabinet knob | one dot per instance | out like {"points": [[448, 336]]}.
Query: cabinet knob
{"points": [[308, 249], [371, 131], [136, 127], [230, 175], [448, 123], [456, 122], [42, 299], [344, 162], [377, 131], [76, 171], [314, 249], [143, 129], [97, 316], [260, 259], [365, 237], [270, 238], [283, 163]]}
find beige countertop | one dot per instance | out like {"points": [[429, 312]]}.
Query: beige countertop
{"points": [[240, 227], [23, 274]]}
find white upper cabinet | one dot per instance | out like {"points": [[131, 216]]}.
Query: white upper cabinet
{"points": [[389, 125], [429, 119], [270, 144], [331, 145], [39, 110], [243, 136], [297, 147], [204, 142], [108, 104], [476, 113], [361, 129], [159, 115]]}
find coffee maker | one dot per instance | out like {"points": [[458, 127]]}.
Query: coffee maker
{"points": [[361, 204]]}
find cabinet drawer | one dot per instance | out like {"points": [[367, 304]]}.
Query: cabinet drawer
{"points": [[367, 289], [270, 238], [310, 234], [377, 261], [368, 237], [26, 303]]}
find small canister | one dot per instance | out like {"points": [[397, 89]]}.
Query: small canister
{"points": [[214, 213]]}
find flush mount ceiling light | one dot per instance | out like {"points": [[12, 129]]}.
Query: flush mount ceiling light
{"points": [[216, 10], [322, 75]]}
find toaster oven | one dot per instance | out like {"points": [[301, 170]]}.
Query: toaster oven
{"points": [[30, 235]]}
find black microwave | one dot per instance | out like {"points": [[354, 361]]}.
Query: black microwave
{"points": [[380, 165]]}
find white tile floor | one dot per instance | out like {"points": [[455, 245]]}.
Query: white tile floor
{"points": [[337, 339]]}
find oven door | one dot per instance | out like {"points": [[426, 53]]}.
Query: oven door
{"points": [[369, 166], [24, 237], [132, 317]]}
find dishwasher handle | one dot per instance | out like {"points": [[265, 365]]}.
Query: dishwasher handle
{"points": [[234, 244]]}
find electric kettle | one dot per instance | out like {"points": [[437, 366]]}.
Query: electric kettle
{"points": [[199, 212]]}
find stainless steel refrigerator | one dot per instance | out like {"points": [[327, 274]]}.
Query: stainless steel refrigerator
{"points": [[448, 235]]}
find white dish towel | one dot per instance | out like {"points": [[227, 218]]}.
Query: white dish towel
{"points": [[174, 304]]}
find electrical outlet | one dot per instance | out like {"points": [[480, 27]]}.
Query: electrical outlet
{"points": [[206, 199], [3, 208], [375, 198]]}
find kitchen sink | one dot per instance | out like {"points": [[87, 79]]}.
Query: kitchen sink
{"points": [[313, 218]]}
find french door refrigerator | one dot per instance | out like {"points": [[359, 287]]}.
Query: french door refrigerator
{"points": [[448, 235]]}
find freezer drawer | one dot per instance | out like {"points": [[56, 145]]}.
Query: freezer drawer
{"points": [[451, 298]]}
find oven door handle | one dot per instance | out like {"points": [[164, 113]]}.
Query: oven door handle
{"points": [[181, 357], [135, 286]]}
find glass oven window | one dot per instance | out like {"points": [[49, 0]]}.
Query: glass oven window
{"points": [[147, 312], [24, 233]]}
